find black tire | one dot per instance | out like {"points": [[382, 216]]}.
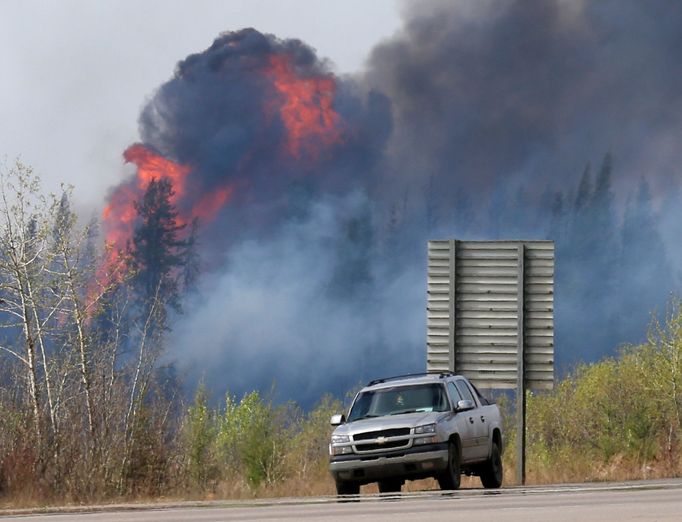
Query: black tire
{"points": [[347, 488], [390, 486], [492, 472], [451, 477]]}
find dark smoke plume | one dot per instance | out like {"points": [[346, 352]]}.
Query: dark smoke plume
{"points": [[476, 122], [527, 92], [498, 107]]}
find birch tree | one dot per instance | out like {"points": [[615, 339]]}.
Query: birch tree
{"points": [[27, 303]]}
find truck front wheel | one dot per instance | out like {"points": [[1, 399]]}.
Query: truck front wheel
{"points": [[491, 471], [452, 475], [347, 488]]}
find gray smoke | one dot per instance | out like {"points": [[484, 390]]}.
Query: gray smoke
{"points": [[498, 105], [524, 93], [477, 122], [283, 313]]}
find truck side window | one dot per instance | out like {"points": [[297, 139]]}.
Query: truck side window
{"points": [[455, 397], [464, 390], [483, 400]]}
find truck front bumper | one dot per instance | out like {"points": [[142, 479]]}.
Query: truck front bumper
{"points": [[415, 462]]}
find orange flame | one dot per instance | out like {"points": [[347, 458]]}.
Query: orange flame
{"points": [[151, 165], [304, 104], [209, 206], [119, 214], [306, 108]]}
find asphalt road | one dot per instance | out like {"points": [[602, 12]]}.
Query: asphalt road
{"points": [[648, 500]]}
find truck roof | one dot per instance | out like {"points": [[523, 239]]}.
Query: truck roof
{"points": [[409, 379]]}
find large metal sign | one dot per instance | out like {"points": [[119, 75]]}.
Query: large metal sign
{"points": [[490, 317], [490, 313]]}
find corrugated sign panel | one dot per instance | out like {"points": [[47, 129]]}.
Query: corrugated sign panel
{"points": [[481, 295]]}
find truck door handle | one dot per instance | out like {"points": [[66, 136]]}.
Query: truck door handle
{"points": [[482, 418], [471, 420]]}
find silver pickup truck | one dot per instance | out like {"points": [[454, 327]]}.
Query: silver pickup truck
{"points": [[416, 426]]}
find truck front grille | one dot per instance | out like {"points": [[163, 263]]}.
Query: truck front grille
{"points": [[395, 432], [389, 444]]}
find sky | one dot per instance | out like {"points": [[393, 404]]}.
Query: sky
{"points": [[75, 73]]}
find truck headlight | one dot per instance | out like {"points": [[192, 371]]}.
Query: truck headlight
{"points": [[428, 428], [340, 450], [340, 445]]}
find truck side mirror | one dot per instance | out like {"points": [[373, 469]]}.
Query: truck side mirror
{"points": [[339, 419], [465, 405]]}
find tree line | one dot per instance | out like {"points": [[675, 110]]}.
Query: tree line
{"points": [[610, 248]]}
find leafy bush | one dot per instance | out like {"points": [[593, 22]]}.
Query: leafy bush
{"points": [[625, 409]]}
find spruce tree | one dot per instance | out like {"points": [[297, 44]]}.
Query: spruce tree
{"points": [[159, 254], [584, 189], [602, 233], [352, 273], [557, 220]]}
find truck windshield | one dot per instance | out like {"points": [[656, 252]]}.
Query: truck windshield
{"points": [[399, 400]]}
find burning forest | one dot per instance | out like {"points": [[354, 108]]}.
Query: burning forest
{"points": [[270, 228], [314, 194]]}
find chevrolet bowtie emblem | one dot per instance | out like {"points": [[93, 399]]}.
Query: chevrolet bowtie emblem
{"points": [[381, 440]]}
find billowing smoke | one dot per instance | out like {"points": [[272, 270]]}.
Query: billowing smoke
{"points": [[276, 158], [499, 107], [524, 93], [251, 121], [316, 194]]}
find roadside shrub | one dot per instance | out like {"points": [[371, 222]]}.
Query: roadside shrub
{"points": [[253, 438], [619, 414], [201, 434]]}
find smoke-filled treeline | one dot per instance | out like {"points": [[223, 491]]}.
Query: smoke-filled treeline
{"points": [[617, 419]]}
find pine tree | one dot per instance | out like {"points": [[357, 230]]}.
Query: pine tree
{"points": [[159, 254], [573, 251], [557, 223], [602, 200], [602, 232], [587, 260], [584, 189], [352, 274]]}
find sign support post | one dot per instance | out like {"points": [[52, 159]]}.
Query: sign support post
{"points": [[520, 373], [452, 338]]}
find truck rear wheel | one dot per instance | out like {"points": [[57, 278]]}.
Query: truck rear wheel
{"points": [[492, 472], [451, 477]]}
